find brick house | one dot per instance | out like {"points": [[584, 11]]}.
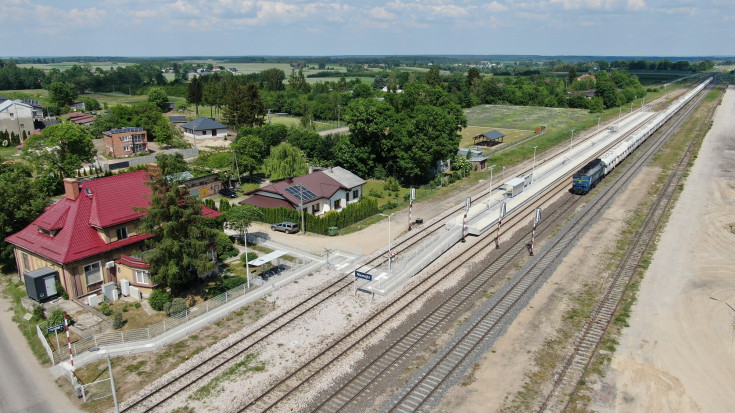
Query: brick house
{"points": [[318, 192], [88, 231], [125, 141]]}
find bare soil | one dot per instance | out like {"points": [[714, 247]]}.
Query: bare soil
{"points": [[679, 352]]}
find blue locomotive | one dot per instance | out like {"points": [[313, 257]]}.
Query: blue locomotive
{"points": [[587, 178]]}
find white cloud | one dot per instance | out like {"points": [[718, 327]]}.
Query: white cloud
{"points": [[381, 13], [495, 7]]}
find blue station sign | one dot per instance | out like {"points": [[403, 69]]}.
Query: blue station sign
{"points": [[363, 275]]}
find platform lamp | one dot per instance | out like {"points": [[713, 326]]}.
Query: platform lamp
{"points": [[390, 250], [571, 141], [598, 123], [491, 179], [533, 171]]}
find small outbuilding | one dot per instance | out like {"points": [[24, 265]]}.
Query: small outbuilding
{"points": [[489, 138], [478, 160]]}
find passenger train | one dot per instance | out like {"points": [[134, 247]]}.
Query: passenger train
{"points": [[590, 175]]}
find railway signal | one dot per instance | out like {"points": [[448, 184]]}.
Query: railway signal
{"points": [[536, 220], [500, 222]]}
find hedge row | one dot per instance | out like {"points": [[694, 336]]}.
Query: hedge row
{"points": [[352, 213]]}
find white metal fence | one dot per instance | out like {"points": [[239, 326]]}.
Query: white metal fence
{"points": [[51, 354], [180, 320]]}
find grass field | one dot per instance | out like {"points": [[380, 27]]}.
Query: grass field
{"points": [[511, 135], [26, 93], [68, 65], [522, 117]]}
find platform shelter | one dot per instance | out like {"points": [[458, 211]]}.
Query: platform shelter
{"points": [[489, 138]]}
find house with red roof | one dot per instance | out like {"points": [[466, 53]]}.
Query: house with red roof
{"points": [[85, 234], [318, 192]]}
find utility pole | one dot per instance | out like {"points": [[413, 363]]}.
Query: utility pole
{"points": [[301, 207], [571, 141], [491, 179], [112, 384], [533, 171]]}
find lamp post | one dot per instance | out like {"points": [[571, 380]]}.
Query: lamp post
{"points": [[533, 171], [247, 261], [620, 113], [503, 173], [390, 251], [598, 123], [339, 112], [491, 179], [571, 141]]}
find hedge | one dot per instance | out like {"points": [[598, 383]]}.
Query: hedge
{"points": [[351, 214]]}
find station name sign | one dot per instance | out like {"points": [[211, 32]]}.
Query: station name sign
{"points": [[363, 275]]}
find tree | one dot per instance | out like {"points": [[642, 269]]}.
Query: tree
{"points": [[571, 76], [473, 75], [158, 97], [60, 149], [244, 107], [23, 201], [297, 82], [607, 90], [62, 94], [239, 218], [171, 164], [249, 151], [285, 161], [433, 77], [195, 93], [181, 236], [273, 79]]}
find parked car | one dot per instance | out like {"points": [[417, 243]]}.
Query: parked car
{"points": [[287, 227], [228, 193]]}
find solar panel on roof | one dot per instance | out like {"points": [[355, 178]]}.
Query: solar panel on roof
{"points": [[300, 192]]}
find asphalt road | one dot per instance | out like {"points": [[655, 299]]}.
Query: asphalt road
{"points": [[25, 386]]}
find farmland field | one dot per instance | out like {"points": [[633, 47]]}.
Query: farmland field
{"points": [[522, 117], [68, 65]]}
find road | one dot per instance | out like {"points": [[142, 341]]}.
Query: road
{"points": [[25, 386]]}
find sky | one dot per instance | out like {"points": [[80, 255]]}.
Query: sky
{"points": [[367, 27]]}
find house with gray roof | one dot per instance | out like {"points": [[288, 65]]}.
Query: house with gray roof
{"points": [[478, 160], [204, 128]]}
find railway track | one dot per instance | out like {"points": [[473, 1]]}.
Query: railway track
{"points": [[567, 383], [152, 398], [427, 387], [281, 394]]}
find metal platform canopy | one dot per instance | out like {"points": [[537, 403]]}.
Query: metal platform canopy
{"points": [[265, 259]]}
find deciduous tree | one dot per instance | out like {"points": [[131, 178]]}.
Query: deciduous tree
{"points": [[158, 97], [60, 149], [285, 161]]}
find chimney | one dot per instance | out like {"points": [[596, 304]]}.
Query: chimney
{"points": [[154, 170], [71, 188]]}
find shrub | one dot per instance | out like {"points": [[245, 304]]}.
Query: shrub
{"points": [[158, 299], [39, 312], [60, 287], [375, 193], [118, 321], [391, 184], [125, 308], [137, 305], [57, 317], [105, 309], [226, 285], [248, 257], [176, 306], [388, 206]]}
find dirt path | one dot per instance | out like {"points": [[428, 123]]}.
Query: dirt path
{"points": [[679, 352]]}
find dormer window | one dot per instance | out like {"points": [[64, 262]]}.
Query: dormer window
{"points": [[48, 232], [122, 233]]}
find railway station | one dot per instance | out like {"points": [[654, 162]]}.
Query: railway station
{"points": [[485, 214]]}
